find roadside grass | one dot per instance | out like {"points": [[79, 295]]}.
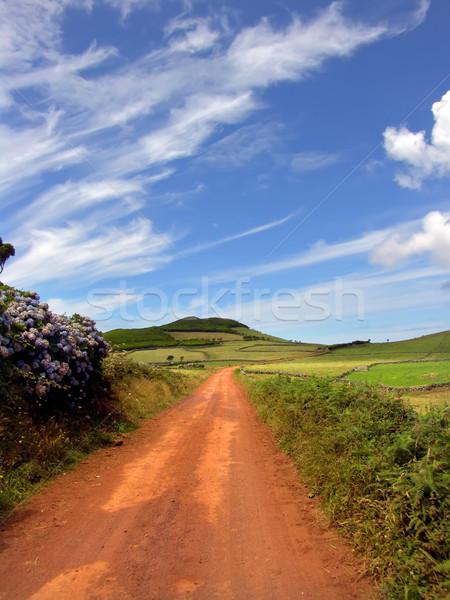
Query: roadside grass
{"points": [[381, 471], [34, 449], [404, 374]]}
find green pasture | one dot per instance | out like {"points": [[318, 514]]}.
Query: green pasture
{"points": [[205, 335], [436, 344], [257, 334], [160, 354], [336, 362], [237, 350], [324, 365], [405, 374]]}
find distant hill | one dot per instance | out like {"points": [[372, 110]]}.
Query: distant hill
{"points": [[433, 343], [133, 339], [196, 324], [202, 334]]}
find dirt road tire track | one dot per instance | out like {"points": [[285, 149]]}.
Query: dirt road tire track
{"points": [[199, 503]]}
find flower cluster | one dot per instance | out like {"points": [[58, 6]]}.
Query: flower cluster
{"points": [[50, 350]]}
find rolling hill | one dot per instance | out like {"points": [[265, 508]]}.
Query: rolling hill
{"points": [[189, 331]]}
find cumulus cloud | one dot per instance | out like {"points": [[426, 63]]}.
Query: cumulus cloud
{"points": [[423, 159], [433, 239]]}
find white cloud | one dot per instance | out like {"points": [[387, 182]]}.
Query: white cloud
{"points": [[260, 55], [33, 151], [190, 125], [320, 252], [423, 159], [78, 252], [126, 115], [434, 239], [244, 144], [187, 95], [127, 6], [196, 35]]}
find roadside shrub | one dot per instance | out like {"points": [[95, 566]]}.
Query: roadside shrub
{"points": [[50, 353]]}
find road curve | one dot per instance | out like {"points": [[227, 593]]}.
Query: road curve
{"points": [[199, 503]]}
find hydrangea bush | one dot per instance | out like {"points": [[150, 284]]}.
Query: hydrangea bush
{"points": [[54, 353]]}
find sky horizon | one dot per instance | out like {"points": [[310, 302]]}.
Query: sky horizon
{"points": [[283, 164]]}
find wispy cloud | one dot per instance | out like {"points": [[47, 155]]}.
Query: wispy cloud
{"points": [[320, 252], [243, 145], [312, 161], [231, 238], [187, 92], [77, 252], [111, 126]]}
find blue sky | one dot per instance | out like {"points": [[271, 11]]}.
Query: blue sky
{"points": [[283, 163]]}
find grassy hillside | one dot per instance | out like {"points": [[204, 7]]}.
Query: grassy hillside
{"points": [[433, 344], [128, 339], [190, 331], [211, 324], [212, 336], [431, 347]]}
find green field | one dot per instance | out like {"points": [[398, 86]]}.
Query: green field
{"points": [[238, 350], [206, 335], [127, 339], [160, 355], [405, 374], [324, 365], [258, 335], [337, 362], [436, 345]]}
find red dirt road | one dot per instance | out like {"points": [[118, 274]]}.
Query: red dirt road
{"points": [[199, 503]]}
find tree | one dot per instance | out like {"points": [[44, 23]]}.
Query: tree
{"points": [[6, 251], [170, 357], [181, 358]]}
